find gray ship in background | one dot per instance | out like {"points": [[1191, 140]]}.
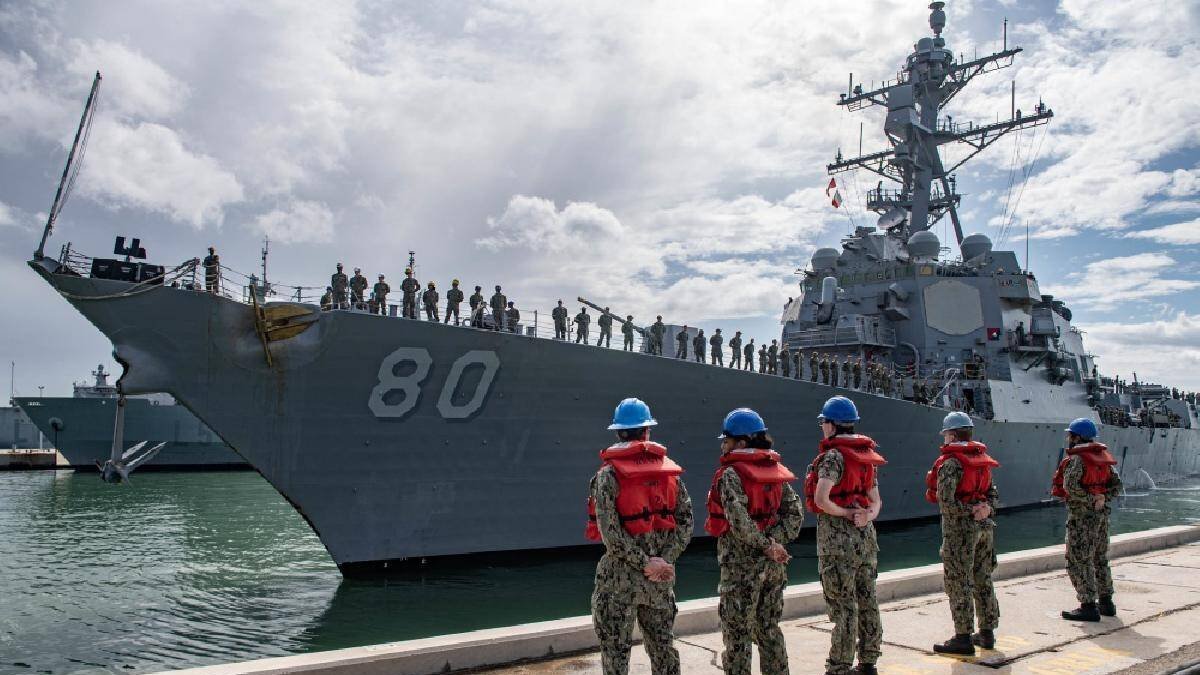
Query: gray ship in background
{"points": [[400, 439], [81, 427], [17, 432]]}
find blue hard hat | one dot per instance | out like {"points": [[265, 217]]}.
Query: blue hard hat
{"points": [[839, 409], [742, 422], [632, 413], [1083, 428], [957, 420]]}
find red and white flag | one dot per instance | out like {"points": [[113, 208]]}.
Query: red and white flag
{"points": [[836, 197]]}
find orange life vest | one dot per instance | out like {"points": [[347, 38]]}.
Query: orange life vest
{"points": [[647, 487], [858, 477], [1097, 469], [977, 472], [762, 478]]}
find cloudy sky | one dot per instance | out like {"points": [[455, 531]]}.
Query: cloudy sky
{"points": [[660, 157]]}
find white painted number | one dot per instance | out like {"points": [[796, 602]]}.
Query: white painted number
{"points": [[410, 385]]}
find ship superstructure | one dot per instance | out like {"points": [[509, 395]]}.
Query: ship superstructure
{"points": [[400, 439]]}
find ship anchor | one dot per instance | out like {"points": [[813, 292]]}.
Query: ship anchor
{"points": [[116, 469]]}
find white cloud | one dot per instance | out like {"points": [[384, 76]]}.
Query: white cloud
{"points": [[147, 166], [1106, 283], [8, 217], [134, 86], [1172, 357], [1175, 233], [537, 224], [300, 222]]}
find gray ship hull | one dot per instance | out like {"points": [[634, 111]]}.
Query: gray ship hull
{"points": [[398, 439], [82, 430]]}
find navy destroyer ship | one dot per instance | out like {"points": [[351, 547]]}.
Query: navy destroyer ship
{"points": [[81, 428], [399, 439]]}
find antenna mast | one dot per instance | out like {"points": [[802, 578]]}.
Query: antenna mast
{"points": [[265, 250], [68, 178], [931, 77]]}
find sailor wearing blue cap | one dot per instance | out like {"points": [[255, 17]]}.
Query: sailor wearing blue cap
{"points": [[1086, 480], [753, 512], [641, 511]]}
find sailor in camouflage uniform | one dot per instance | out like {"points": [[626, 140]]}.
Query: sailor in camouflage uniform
{"points": [[627, 334], [1087, 482], [641, 511], [735, 351], [454, 298], [754, 513], [429, 299], [657, 330], [681, 343], [748, 352], [409, 288], [841, 488], [604, 323], [960, 483]]}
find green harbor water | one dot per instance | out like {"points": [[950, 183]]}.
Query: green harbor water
{"points": [[188, 569]]}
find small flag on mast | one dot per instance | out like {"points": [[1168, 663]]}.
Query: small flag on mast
{"points": [[836, 197]]}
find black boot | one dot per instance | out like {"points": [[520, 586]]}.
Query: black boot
{"points": [[1086, 612], [1106, 606], [866, 669], [984, 638], [959, 644]]}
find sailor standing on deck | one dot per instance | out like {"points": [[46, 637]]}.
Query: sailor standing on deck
{"points": [[716, 343], [657, 330], [641, 511], [381, 290], [212, 271], [753, 512], [698, 346], [748, 352], [681, 343], [454, 298], [512, 317], [735, 350], [559, 314], [582, 321], [476, 299], [430, 299], [358, 288], [960, 483], [841, 488], [627, 332], [339, 282], [1086, 481], [498, 303], [409, 288], [604, 323]]}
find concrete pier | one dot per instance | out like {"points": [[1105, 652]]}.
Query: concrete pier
{"points": [[1157, 577], [22, 459]]}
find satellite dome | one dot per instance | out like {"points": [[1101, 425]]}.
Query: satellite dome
{"points": [[975, 245], [825, 258], [924, 245]]}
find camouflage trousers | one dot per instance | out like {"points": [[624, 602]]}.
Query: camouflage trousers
{"points": [[613, 615], [409, 306], [848, 582], [750, 609], [1087, 554], [968, 560]]}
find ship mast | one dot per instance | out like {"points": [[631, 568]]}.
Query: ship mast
{"points": [[929, 80], [68, 176]]}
